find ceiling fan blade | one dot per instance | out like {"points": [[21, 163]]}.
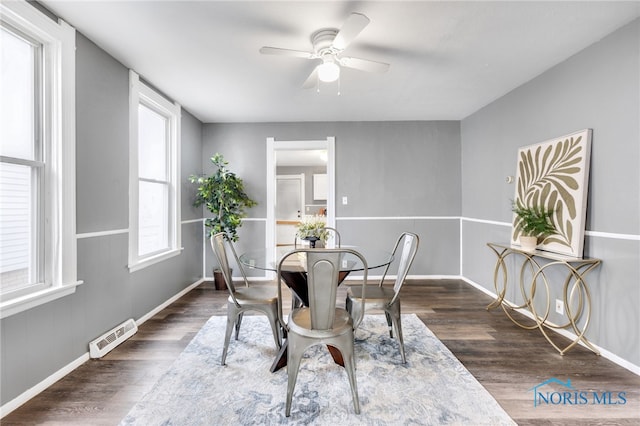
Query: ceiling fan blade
{"points": [[312, 80], [364, 64], [354, 24], [266, 50]]}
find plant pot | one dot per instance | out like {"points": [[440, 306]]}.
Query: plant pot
{"points": [[528, 243], [312, 241], [218, 280]]}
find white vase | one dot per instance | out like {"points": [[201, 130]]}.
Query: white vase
{"points": [[528, 243]]}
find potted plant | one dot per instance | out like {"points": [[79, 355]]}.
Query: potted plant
{"points": [[223, 195], [533, 224], [312, 229]]}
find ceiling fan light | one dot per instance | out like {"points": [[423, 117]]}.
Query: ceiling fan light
{"points": [[328, 72]]}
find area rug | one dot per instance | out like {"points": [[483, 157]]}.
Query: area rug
{"points": [[432, 388]]}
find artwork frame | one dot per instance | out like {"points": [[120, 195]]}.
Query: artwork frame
{"points": [[554, 175]]}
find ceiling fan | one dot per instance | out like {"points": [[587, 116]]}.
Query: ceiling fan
{"points": [[328, 45]]}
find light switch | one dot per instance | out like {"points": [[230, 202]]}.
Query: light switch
{"points": [[344, 201]]}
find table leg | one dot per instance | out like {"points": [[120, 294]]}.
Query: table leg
{"points": [[281, 358], [336, 354]]}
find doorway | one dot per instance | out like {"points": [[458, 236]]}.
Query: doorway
{"points": [[273, 148]]}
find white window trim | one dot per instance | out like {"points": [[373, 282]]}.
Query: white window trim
{"points": [[61, 258], [138, 89]]}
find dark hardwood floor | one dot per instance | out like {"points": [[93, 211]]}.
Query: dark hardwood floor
{"points": [[507, 360]]}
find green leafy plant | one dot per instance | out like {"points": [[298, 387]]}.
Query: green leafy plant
{"points": [[222, 194], [313, 226], [533, 221]]}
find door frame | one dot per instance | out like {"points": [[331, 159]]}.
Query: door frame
{"points": [[272, 146]]}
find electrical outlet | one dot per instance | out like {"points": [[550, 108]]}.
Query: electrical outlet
{"points": [[559, 307], [345, 201]]}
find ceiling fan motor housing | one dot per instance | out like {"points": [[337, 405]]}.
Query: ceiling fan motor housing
{"points": [[322, 41]]}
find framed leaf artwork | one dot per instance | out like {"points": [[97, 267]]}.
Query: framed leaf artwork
{"points": [[554, 176]]}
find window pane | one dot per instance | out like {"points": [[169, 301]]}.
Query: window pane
{"points": [[18, 100], [152, 144], [17, 254], [153, 217]]}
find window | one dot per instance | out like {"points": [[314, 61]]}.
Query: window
{"points": [[154, 216], [37, 158], [22, 165]]}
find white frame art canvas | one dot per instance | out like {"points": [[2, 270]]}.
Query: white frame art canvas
{"points": [[554, 175]]}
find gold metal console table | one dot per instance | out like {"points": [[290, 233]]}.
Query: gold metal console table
{"points": [[535, 266]]}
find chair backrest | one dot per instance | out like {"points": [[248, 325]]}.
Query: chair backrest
{"points": [[335, 234], [408, 243], [322, 268], [219, 242]]}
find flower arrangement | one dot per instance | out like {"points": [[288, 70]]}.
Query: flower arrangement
{"points": [[312, 227]]}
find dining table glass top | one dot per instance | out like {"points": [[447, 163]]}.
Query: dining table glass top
{"points": [[267, 259]]}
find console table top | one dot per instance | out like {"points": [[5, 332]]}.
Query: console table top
{"points": [[544, 254]]}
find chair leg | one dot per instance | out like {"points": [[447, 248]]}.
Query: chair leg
{"points": [[295, 302], [293, 364], [401, 340], [389, 323], [350, 366], [238, 322], [231, 316], [275, 327], [354, 307], [397, 325]]}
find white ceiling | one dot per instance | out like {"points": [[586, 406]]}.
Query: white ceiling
{"points": [[448, 59]]}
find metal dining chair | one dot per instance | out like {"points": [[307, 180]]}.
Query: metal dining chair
{"points": [[321, 322], [333, 232], [245, 298], [384, 298]]}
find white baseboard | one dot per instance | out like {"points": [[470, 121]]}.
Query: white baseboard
{"points": [[44, 384], [635, 369]]}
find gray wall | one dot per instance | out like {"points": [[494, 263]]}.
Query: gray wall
{"points": [[38, 342], [398, 176], [599, 89]]}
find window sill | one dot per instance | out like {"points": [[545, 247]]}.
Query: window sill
{"points": [[23, 303], [136, 266]]}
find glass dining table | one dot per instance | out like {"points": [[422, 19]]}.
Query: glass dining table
{"points": [[295, 277]]}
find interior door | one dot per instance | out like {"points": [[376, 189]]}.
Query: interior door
{"points": [[289, 207]]}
